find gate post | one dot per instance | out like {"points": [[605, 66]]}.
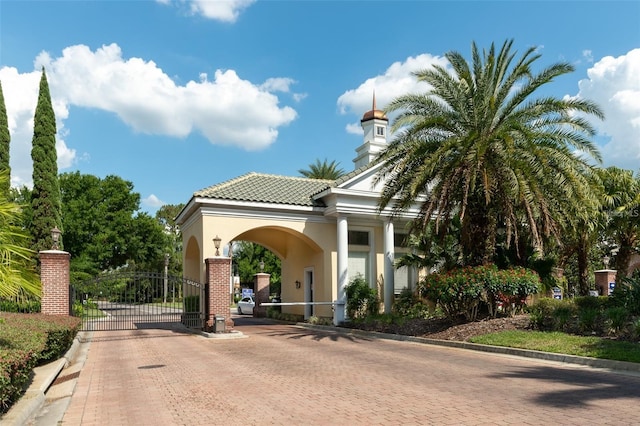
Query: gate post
{"points": [[262, 294], [218, 278], [54, 276]]}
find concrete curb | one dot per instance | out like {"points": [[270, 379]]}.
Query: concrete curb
{"points": [[33, 399], [618, 366]]}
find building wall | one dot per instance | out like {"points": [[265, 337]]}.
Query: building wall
{"points": [[299, 244]]}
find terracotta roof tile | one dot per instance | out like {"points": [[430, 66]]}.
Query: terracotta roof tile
{"points": [[264, 188]]}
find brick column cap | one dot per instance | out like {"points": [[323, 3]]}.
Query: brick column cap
{"points": [[53, 252]]}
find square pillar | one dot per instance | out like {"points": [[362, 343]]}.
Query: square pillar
{"points": [[605, 281], [218, 278], [54, 275], [262, 294]]}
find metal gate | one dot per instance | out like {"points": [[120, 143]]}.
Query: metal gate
{"points": [[136, 300]]}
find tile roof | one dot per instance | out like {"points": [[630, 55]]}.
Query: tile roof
{"points": [[264, 188]]}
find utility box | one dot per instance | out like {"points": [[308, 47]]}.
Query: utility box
{"points": [[219, 326]]}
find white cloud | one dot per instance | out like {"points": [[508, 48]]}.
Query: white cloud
{"points": [[227, 110], [613, 83], [397, 80], [153, 201], [21, 96], [220, 10], [277, 84]]}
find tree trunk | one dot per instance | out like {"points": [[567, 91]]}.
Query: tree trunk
{"points": [[583, 266], [478, 233], [623, 258]]}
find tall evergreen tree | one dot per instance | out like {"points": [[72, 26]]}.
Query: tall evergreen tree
{"points": [[45, 198], [5, 139]]}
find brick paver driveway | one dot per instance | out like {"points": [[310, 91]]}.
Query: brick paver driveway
{"points": [[282, 374]]}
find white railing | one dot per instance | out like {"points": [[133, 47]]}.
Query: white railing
{"points": [[336, 303]]}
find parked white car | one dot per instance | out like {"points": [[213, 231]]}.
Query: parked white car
{"points": [[246, 305]]}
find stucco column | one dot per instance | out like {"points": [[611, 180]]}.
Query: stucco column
{"points": [[389, 258], [342, 268], [218, 276], [54, 275], [261, 281]]}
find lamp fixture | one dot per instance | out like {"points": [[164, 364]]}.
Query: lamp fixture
{"points": [[216, 243], [298, 284], [261, 264], [55, 237]]}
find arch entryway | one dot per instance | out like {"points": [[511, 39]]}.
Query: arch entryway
{"points": [[304, 268]]}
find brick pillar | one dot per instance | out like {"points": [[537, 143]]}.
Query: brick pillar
{"points": [[262, 294], [218, 278], [604, 279], [54, 275]]}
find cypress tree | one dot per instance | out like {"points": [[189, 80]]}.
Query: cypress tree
{"points": [[5, 139], [45, 198]]}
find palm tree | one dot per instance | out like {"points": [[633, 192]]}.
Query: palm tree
{"points": [[481, 147], [323, 170], [622, 204], [17, 266]]}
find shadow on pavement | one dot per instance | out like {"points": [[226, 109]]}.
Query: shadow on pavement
{"points": [[586, 386], [290, 330]]}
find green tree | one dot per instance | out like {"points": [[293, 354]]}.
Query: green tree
{"points": [[5, 140], [166, 216], [45, 197], [323, 170], [481, 147], [17, 273], [622, 212], [247, 257], [104, 229]]}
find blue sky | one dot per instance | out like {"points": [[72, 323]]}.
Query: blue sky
{"points": [[178, 95]]}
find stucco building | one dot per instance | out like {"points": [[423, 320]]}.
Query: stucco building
{"points": [[324, 232]]}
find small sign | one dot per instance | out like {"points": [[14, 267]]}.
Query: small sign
{"points": [[612, 286], [557, 293], [247, 292]]}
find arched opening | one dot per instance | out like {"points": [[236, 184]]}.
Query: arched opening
{"points": [[305, 274], [192, 267]]}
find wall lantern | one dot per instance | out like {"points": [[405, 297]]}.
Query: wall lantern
{"points": [[55, 237], [216, 243], [261, 266], [297, 284]]}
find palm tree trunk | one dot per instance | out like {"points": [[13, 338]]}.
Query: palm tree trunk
{"points": [[583, 266], [478, 233]]}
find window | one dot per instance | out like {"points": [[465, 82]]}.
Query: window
{"points": [[380, 130], [358, 238], [401, 240]]}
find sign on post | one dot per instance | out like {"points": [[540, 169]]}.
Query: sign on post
{"points": [[557, 293]]}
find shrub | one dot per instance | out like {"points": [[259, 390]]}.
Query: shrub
{"points": [[27, 340], [588, 319], [562, 314], [617, 317], [541, 312], [627, 295], [409, 305], [362, 300], [192, 303], [24, 305], [459, 291], [509, 289]]}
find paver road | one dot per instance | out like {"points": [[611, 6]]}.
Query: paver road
{"points": [[287, 375]]}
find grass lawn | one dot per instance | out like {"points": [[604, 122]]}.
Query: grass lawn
{"points": [[556, 342]]}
